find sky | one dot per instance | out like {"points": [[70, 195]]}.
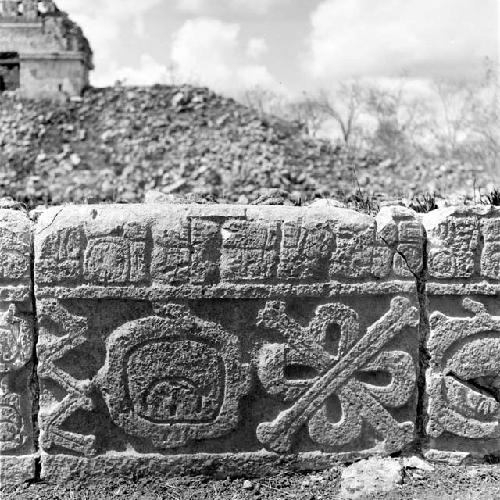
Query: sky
{"points": [[286, 46]]}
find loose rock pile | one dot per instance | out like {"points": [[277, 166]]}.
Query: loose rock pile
{"points": [[117, 143]]}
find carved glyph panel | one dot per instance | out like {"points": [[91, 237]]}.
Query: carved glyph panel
{"points": [[173, 381], [463, 380], [335, 373], [181, 376], [168, 381], [16, 347]]}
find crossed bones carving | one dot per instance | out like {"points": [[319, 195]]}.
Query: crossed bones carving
{"points": [[360, 402]]}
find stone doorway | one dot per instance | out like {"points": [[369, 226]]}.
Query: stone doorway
{"points": [[10, 67]]}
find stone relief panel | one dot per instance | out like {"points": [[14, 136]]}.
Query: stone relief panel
{"points": [[116, 258], [223, 246], [17, 388], [15, 248], [165, 381], [463, 242], [16, 348], [490, 256], [463, 379], [334, 354], [181, 331], [62, 393], [174, 380], [184, 377], [403, 233]]}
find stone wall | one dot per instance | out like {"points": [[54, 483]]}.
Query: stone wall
{"points": [[52, 75], [243, 339]]}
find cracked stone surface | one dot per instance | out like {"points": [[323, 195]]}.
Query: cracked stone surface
{"points": [[462, 403], [212, 339]]}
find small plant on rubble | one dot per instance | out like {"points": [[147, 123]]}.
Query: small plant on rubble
{"points": [[493, 198], [424, 203]]}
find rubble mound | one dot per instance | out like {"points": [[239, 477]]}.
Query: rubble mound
{"points": [[117, 143]]}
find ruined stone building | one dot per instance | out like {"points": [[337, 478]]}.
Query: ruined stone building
{"points": [[42, 52]]}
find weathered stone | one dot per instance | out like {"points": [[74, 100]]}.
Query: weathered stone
{"points": [[16, 469], [173, 381], [463, 242], [17, 445], [285, 371], [464, 338], [42, 52], [402, 232], [187, 331], [369, 477], [250, 250], [463, 380]]}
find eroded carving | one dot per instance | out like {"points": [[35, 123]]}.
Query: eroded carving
{"points": [[62, 332], [306, 248], [16, 345], [118, 258], [250, 250], [490, 258], [16, 341], [12, 431], [173, 380], [464, 375], [332, 369], [455, 242]]}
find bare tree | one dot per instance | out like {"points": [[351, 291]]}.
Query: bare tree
{"points": [[343, 105], [264, 101], [468, 125], [308, 111], [400, 117], [453, 123], [486, 117]]}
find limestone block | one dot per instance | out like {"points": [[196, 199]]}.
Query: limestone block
{"points": [[463, 242], [370, 477], [199, 337], [464, 334], [17, 445], [216, 245], [401, 230], [249, 250], [463, 379]]}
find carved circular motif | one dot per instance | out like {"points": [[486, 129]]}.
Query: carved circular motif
{"points": [[173, 381]]}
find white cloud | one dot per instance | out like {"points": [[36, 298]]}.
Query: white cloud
{"points": [[386, 37], [102, 21], [194, 6], [203, 6], [210, 52], [256, 75], [149, 71], [206, 49], [256, 47], [258, 6]]}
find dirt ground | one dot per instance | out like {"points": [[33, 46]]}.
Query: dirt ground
{"points": [[478, 482]]}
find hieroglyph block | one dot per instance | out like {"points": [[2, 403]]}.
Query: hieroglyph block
{"points": [[17, 445], [182, 332], [463, 379]]}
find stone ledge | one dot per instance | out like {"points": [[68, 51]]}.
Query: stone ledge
{"points": [[59, 468]]}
